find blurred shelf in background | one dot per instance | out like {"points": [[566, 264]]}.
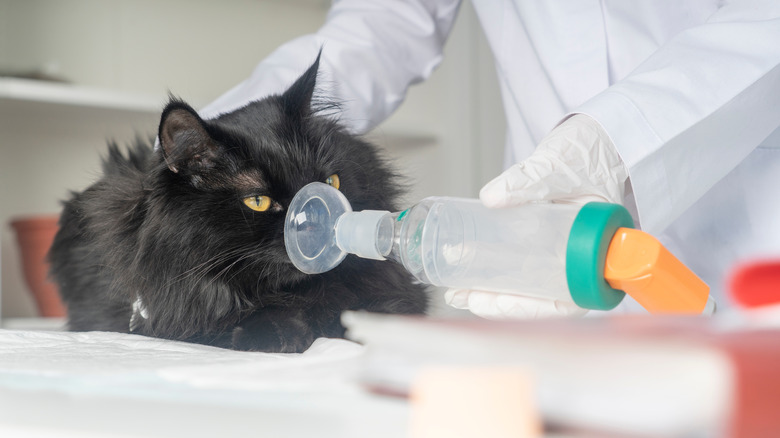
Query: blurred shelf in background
{"points": [[29, 104]]}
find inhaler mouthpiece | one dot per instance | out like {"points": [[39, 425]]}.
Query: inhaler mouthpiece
{"points": [[321, 228]]}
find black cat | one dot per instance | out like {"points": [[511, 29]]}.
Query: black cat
{"points": [[186, 242]]}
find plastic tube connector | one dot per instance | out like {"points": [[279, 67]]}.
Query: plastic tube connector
{"points": [[586, 252], [367, 234]]}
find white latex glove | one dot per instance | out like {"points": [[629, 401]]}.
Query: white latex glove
{"points": [[576, 163]]}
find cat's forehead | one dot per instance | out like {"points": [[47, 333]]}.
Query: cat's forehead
{"points": [[248, 180]]}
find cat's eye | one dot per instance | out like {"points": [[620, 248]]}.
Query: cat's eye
{"points": [[333, 180], [258, 203]]}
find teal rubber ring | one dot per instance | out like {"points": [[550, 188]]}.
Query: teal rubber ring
{"points": [[586, 252]]}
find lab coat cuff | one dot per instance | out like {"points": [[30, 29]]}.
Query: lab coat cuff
{"points": [[634, 140]]}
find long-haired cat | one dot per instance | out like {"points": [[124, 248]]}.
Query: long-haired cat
{"points": [[186, 242]]}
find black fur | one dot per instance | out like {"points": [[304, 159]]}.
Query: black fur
{"points": [[169, 226]]}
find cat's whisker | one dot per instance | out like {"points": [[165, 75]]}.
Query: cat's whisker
{"points": [[203, 268], [229, 267]]}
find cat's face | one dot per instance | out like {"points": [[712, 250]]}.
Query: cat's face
{"points": [[228, 182]]}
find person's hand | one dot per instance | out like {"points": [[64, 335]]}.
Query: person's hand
{"points": [[576, 163]]}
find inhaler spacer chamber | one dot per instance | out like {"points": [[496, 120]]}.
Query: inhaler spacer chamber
{"points": [[586, 255]]}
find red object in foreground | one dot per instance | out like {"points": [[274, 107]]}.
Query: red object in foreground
{"points": [[756, 284], [35, 236]]}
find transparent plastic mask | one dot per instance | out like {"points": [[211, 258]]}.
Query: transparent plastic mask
{"points": [[309, 229], [321, 229]]}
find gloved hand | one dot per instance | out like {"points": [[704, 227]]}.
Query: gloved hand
{"points": [[576, 163]]}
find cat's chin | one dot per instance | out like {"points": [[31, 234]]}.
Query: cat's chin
{"points": [[289, 275], [295, 276]]}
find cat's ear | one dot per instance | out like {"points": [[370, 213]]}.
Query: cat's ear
{"points": [[296, 101], [186, 145]]}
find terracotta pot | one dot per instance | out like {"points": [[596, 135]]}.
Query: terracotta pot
{"points": [[35, 236]]}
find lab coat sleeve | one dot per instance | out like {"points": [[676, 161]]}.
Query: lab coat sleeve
{"points": [[695, 108], [372, 51]]}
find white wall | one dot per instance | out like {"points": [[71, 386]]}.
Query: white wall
{"points": [[448, 136]]}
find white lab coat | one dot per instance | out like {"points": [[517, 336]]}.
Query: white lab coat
{"points": [[688, 90]]}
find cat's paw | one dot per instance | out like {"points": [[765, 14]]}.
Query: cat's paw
{"points": [[273, 334]]}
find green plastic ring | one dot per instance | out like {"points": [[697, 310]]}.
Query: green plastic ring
{"points": [[586, 251]]}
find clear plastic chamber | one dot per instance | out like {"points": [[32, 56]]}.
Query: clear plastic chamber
{"points": [[460, 243]]}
